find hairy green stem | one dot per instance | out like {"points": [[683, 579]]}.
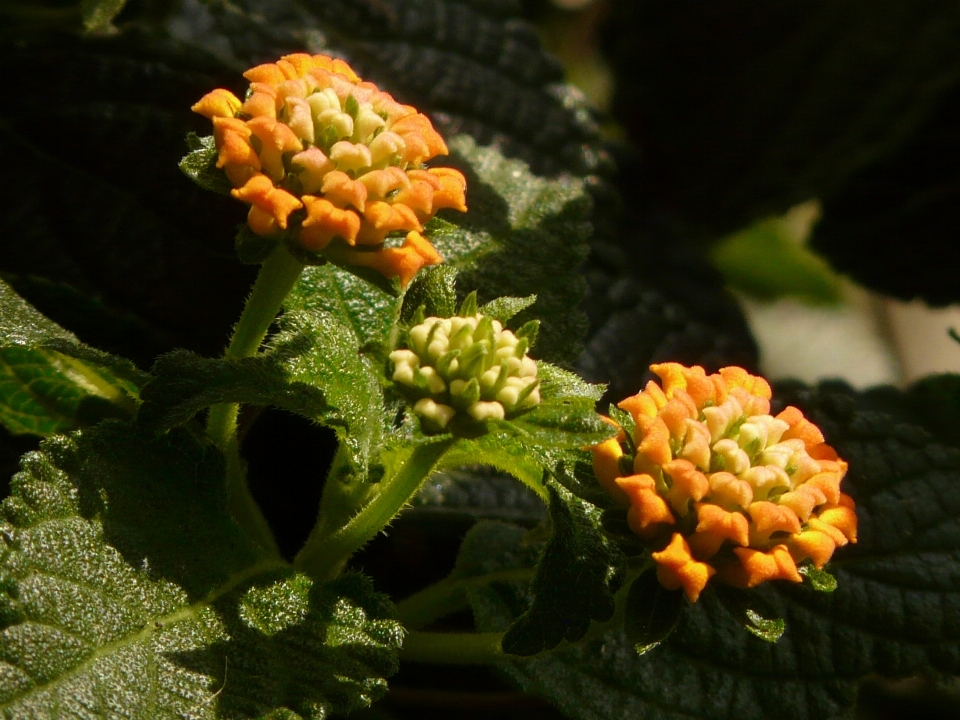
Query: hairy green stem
{"points": [[278, 274], [452, 648], [326, 552]]}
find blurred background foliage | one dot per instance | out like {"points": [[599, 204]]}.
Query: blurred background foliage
{"points": [[773, 147]]}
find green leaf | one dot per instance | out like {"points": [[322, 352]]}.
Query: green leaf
{"points": [[561, 423], [500, 450], [98, 15], [558, 383], [574, 583], [367, 310], [49, 381], [504, 308], [312, 368], [522, 235], [200, 165], [651, 611], [128, 588], [752, 611], [820, 580], [433, 290], [768, 261]]}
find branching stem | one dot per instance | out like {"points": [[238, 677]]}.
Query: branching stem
{"points": [[278, 274], [327, 550]]}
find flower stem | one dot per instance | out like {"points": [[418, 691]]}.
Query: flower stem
{"points": [[452, 648], [326, 552], [278, 274]]}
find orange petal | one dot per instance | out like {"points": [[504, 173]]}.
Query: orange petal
{"points": [[342, 190], [828, 483], [261, 103], [671, 375], [419, 198], [380, 183], [813, 545], [803, 500], [843, 519], [677, 568], [714, 526], [647, 508], [688, 484], [770, 518], [267, 73], [403, 262], [260, 191], [606, 466], [727, 489], [452, 191], [675, 415], [800, 428], [218, 103], [738, 377], [381, 218], [326, 221], [756, 567], [654, 449], [275, 139], [422, 141]]}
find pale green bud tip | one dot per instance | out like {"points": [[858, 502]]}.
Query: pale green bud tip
{"points": [[466, 364]]}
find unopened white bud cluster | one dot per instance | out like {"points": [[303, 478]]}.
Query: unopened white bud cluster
{"points": [[466, 364]]}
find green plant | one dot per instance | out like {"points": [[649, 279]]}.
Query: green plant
{"points": [[431, 319]]}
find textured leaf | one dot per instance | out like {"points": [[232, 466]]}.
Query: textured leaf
{"points": [[500, 450], [504, 308], [651, 612], [574, 583], [894, 613], [200, 165], [522, 235], [556, 383], [49, 382], [312, 368], [434, 291], [565, 423], [127, 588], [368, 311]]}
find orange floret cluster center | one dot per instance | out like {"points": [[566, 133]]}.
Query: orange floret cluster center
{"points": [[730, 490], [326, 158]]}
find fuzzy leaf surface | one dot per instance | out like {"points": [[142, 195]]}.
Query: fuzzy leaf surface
{"points": [[127, 587], [312, 368], [574, 583], [895, 611], [522, 235], [49, 381]]}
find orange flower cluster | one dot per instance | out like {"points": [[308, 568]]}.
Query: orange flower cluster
{"points": [[728, 489], [322, 156]]}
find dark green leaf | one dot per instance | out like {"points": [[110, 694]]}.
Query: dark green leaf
{"points": [[49, 381], [504, 308], [200, 165], [98, 15], [366, 310], [752, 611], [312, 368], [574, 583], [434, 291], [652, 611], [501, 450], [128, 588], [522, 235], [253, 249], [820, 580]]}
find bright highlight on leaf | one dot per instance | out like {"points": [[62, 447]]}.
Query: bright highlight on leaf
{"points": [[333, 163], [717, 486]]}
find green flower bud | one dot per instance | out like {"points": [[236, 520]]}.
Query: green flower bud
{"points": [[466, 364]]}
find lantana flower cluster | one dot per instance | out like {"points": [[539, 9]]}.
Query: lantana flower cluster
{"points": [[468, 365], [722, 486], [323, 156]]}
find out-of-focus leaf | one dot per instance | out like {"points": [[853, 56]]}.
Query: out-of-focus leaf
{"points": [[127, 587], [651, 611], [98, 15], [49, 381], [742, 110]]}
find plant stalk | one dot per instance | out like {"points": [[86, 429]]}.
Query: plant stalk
{"points": [[278, 274], [326, 552], [452, 648]]}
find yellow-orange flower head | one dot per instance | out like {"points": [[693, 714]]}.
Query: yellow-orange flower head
{"points": [[325, 157], [731, 490]]}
